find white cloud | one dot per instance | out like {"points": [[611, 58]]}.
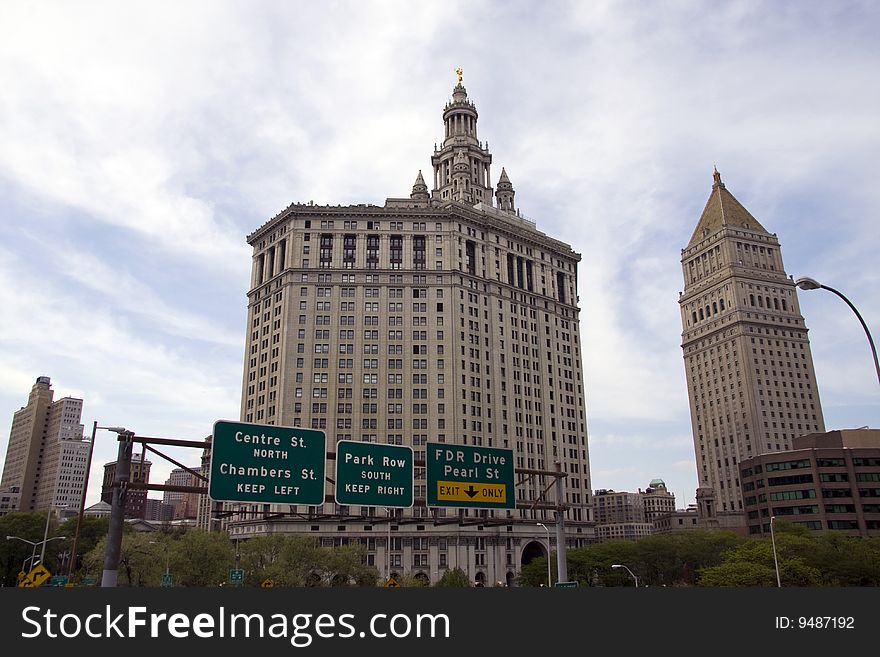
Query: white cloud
{"points": [[182, 128]]}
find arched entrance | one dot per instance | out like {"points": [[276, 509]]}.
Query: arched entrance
{"points": [[480, 579], [531, 551], [422, 579]]}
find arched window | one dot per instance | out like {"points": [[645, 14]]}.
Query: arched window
{"points": [[708, 312], [714, 307], [695, 316], [752, 299], [776, 303], [761, 302], [784, 305], [722, 305], [768, 302], [701, 313]]}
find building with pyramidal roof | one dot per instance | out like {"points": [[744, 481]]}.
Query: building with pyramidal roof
{"points": [[750, 376]]}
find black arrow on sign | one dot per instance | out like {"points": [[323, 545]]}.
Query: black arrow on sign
{"points": [[471, 491]]}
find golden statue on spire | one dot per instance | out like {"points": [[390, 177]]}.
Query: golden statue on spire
{"points": [[458, 72]]}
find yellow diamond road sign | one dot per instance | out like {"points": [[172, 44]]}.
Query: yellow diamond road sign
{"points": [[392, 584], [456, 491], [36, 577], [267, 584]]}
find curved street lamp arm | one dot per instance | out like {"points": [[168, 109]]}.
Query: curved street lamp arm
{"points": [[864, 326]]}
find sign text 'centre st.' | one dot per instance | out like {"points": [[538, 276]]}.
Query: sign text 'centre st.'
{"points": [[267, 464]]}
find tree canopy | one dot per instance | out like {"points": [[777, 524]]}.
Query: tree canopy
{"points": [[721, 558]]}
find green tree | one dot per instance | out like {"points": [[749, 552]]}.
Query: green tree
{"points": [[16, 555], [292, 560], [454, 578], [303, 561], [90, 532], [141, 562], [664, 560], [534, 573], [345, 565], [846, 560], [261, 558], [738, 573], [409, 580], [201, 558]]}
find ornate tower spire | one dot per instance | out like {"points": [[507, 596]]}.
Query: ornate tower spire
{"points": [[462, 163], [505, 193], [420, 189]]}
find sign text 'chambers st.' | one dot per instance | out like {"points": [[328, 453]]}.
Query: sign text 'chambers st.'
{"points": [[371, 474], [465, 476], [267, 464]]}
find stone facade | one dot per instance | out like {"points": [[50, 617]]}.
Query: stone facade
{"points": [[438, 317], [657, 500], [751, 383], [47, 454], [631, 516]]}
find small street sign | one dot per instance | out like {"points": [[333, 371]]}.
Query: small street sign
{"points": [[267, 464], [58, 580], [267, 584], [466, 476], [370, 474], [566, 585], [167, 581], [236, 576], [37, 577]]}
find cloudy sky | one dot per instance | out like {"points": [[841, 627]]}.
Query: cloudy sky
{"points": [[141, 142]]}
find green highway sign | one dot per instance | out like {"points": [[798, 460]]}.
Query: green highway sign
{"points": [[267, 464], [370, 474], [472, 477], [236, 576], [566, 585], [166, 581]]}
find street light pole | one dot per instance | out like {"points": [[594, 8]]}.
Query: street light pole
{"points": [[45, 534], [165, 546], [635, 579], [561, 559], [110, 574], [549, 580], [33, 556], [388, 547], [775, 560], [806, 283], [34, 544]]}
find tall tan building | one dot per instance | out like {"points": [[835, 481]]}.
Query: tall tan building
{"points": [[47, 454], [750, 376], [445, 316]]}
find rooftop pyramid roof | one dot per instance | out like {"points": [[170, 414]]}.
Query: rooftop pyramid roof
{"points": [[722, 209]]}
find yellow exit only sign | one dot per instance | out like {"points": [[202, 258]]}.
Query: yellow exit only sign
{"points": [[455, 491]]}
